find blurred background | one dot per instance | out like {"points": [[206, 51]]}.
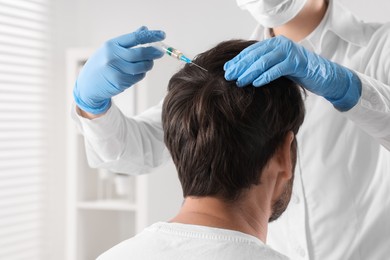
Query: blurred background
{"points": [[52, 205]]}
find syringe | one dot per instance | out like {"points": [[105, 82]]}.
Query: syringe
{"points": [[175, 53]]}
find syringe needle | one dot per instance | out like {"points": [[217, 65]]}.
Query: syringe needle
{"points": [[199, 66]]}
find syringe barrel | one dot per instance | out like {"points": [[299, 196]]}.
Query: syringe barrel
{"points": [[173, 52]]}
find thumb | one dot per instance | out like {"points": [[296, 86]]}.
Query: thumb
{"points": [[141, 36]]}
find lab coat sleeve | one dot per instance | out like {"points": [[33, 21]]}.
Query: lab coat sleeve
{"points": [[372, 112], [132, 145]]}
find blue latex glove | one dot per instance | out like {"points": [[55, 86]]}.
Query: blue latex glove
{"points": [[270, 59], [115, 67]]}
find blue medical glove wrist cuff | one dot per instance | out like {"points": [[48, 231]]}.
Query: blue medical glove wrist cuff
{"points": [[100, 108], [351, 97]]}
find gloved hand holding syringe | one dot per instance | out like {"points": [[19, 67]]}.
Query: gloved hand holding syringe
{"points": [[119, 64]]}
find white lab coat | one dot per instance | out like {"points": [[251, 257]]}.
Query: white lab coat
{"points": [[340, 208]]}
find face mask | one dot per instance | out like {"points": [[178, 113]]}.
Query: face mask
{"points": [[272, 13]]}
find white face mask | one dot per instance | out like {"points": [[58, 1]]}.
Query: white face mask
{"points": [[272, 13]]}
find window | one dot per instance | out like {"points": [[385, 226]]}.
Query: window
{"points": [[24, 55]]}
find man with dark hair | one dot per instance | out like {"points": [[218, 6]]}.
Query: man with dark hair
{"points": [[235, 152]]}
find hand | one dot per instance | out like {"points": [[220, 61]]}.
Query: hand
{"points": [[115, 67], [270, 59]]}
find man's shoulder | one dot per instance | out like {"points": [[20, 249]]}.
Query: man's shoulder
{"points": [[256, 251], [167, 241]]}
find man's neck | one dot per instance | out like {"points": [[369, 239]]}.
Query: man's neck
{"points": [[305, 22], [251, 218]]}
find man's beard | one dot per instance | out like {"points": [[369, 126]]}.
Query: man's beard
{"points": [[281, 203]]}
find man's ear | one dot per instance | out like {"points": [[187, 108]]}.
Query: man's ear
{"points": [[283, 161], [286, 155]]}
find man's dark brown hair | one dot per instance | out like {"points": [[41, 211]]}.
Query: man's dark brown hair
{"points": [[221, 136]]}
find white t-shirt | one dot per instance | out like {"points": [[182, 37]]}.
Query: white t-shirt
{"points": [[182, 241]]}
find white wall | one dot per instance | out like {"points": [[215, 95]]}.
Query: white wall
{"points": [[200, 25]]}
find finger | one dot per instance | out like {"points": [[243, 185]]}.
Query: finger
{"points": [[268, 43], [122, 82], [259, 66], [126, 82], [242, 54], [132, 68], [137, 54], [236, 70], [141, 36], [272, 74]]}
